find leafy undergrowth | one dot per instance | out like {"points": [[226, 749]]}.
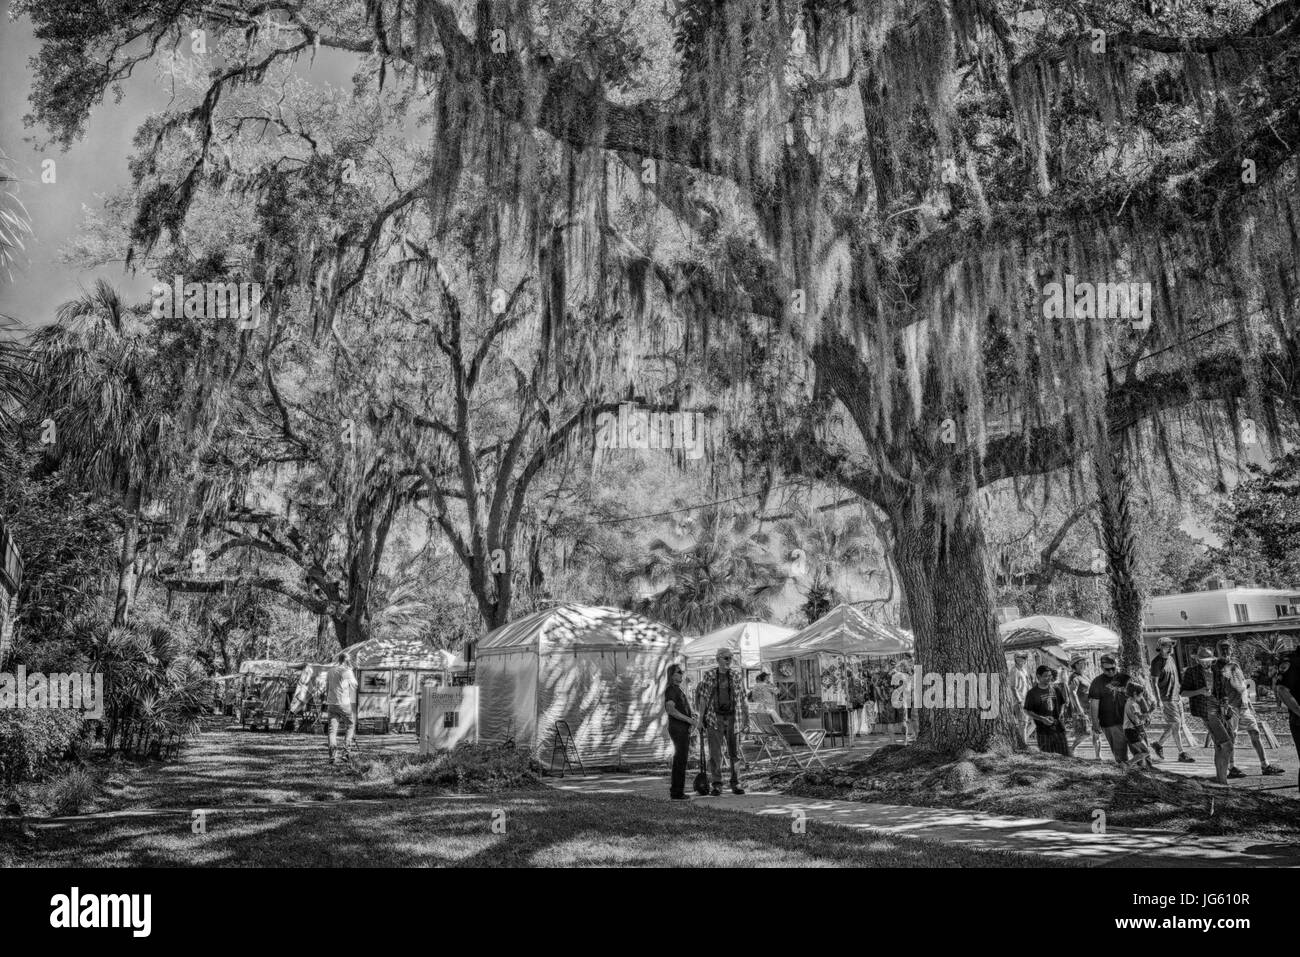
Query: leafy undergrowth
{"points": [[469, 769], [1033, 784]]}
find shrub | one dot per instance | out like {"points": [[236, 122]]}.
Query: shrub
{"points": [[68, 792], [469, 769], [32, 742]]}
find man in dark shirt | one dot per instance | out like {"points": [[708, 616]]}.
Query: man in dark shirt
{"points": [[1288, 692], [680, 725], [1106, 705], [1203, 687]]}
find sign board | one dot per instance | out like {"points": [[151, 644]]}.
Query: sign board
{"points": [[448, 717]]}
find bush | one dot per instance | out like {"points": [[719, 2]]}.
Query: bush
{"points": [[66, 793], [32, 742], [469, 769]]}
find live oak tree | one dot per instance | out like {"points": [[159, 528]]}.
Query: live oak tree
{"points": [[850, 213]]}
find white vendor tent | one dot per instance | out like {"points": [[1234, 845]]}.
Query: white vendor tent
{"points": [[746, 639], [1057, 638], [390, 673], [601, 670], [844, 630], [816, 668]]}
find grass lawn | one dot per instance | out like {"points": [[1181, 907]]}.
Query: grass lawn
{"points": [[542, 828], [272, 802]]}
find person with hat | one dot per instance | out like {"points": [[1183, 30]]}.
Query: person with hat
{"points": [[1241, 711], [1019, 681], [1106, 701], [1203, 687], [720, 701], [1164, 679]]}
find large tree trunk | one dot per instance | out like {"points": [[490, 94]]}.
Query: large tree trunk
{"points": [[1121, 547], [949, 595], [126, 573]]}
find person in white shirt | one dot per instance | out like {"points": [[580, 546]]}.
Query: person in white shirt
{"points": [[341, 701]]}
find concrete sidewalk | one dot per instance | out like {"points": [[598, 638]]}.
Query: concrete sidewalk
{"points": [[1059, 840]]}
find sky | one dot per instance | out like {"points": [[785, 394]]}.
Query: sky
{"points": [[93, 169]]}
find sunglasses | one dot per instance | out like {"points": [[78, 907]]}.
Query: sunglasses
{"points": [[1108, 667]]}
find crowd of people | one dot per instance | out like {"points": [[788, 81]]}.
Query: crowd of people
{"points": [[1060, 710], [1119, 707]]}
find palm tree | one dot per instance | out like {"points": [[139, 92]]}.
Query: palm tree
{"points": [[13, 375], [92, 382], [721, 578], [820, 547], [14, 221]]}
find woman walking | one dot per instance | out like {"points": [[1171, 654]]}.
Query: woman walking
{"points": [[1044, 703]]}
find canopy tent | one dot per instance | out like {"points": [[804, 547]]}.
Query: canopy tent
{"points": [[746, 638], [844, 630], [826, 665], [600, 670], [391, 670], [1057, 637]]}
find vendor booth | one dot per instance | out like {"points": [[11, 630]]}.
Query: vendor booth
{"points": [[263, 692], [746, 639], [390, 673], [841, 664], [1053, 640], [596, 673]]}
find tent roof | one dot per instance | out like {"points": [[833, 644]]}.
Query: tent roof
{"points": [[844, 630], [569, 626], [393, 652], [1072, 634], [745, 637]]}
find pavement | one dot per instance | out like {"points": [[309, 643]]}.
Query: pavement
{"points": [[1070, 842]]}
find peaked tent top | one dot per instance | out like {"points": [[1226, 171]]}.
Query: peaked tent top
{"points": [[746, 638], [572, 627], [1072, 634], [844, 630]]}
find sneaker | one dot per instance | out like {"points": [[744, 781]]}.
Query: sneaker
{"points": [[1186, 758], [715, 791], [737, 789], [678, 797], [1159, 749], [1236, 773], [1273, 769]]}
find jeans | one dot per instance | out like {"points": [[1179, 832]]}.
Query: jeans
{"points": [[1118, 743], [680, 732], [341, 715], [723, 725]]}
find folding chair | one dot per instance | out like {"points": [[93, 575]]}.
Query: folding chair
{"points": [[796, 737], [762, 727]]}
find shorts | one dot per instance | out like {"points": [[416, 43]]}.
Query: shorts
{"points": [[1247, 719], [1219, 732], [1172, 710]]}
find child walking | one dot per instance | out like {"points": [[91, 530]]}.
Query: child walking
{"points": [[1136, 716]]}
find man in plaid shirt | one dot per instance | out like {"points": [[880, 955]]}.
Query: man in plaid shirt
{"points": [[720, 700]]}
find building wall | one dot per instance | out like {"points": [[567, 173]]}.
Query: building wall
{"points": [[8, 611], [1216, 607]]}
